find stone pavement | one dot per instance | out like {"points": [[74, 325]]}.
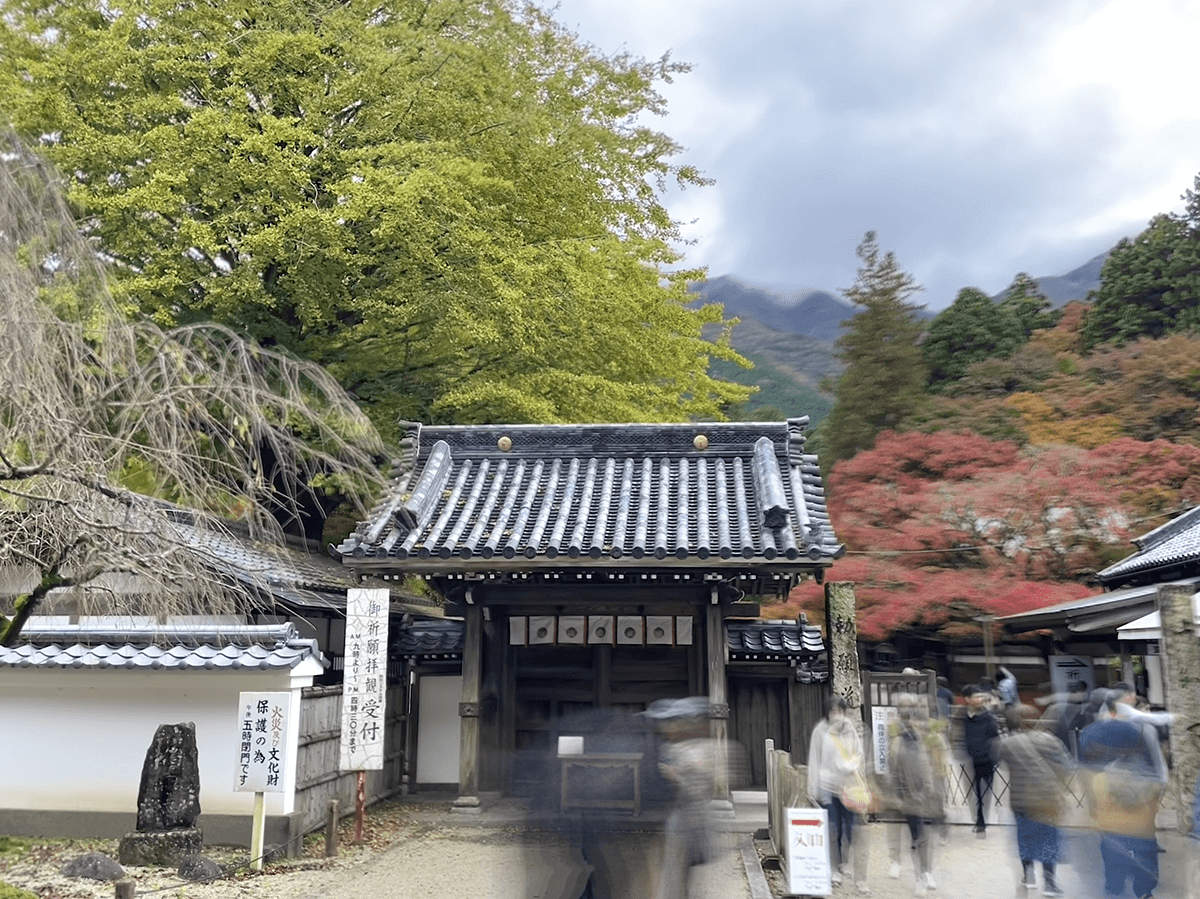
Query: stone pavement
{"points": [[501, 855]]}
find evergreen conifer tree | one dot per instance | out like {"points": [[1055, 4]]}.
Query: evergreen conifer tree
{"points": [[884, 377]]}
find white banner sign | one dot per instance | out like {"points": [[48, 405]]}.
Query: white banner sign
{"points": [[808, 871], [882, 719], [365, 680], [1068, 670], [262, 742]]}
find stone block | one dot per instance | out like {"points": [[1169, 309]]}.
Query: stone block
{"points": [[160, 849]]}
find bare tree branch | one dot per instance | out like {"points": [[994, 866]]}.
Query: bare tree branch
{"points": [[112, 426]]}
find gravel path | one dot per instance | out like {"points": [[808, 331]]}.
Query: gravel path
{"points": [[409, 854], [425, 854]]}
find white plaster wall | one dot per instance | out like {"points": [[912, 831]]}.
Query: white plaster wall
{"points": [[76, 739], [438, 729]]}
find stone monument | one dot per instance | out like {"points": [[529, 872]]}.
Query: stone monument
{"points": [[168, 801]]}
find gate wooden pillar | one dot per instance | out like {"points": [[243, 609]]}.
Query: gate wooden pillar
{"points": [[718, 692], [469, 710]]}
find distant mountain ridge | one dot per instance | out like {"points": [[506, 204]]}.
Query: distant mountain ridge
{"points": [[1074, 285], [818, 313], [789, 334], [813, 313]]}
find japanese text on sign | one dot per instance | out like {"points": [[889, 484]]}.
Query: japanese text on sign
{"points": [[808, 869], [882, 719], [262, 742], [365, 680]]}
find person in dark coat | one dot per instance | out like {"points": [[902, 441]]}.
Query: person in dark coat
{"points": [[981, 736]]}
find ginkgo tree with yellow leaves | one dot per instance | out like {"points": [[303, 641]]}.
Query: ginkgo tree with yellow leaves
{"points": [[455, 206]]}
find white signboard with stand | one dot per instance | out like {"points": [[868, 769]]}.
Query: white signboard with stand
{"points": [[1068, 670], [808, 870], [262, 742], [262, 757], [882, 719]]}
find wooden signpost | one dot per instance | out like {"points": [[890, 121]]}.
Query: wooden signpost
{"points": [[364, 691]]}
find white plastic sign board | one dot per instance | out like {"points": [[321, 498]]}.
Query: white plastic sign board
{"points": [[262, 742], [808, 870], [882, 719], [1068, 670], [364, 685]]}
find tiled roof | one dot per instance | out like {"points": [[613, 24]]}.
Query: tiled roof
{"points": [[245, 647], [1104, 611], [1173, 544], [432, 639], [760, 639], [298, 578], [520, 497]]}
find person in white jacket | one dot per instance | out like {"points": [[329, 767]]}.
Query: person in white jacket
{"points": [[835, 755]]}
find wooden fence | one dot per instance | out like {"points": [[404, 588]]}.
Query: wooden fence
{"points": [[787, 787], [318, 779]]}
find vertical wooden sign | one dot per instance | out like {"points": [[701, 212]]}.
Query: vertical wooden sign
{"points": [[364, 689]]}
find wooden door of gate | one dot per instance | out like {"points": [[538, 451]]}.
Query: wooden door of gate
{"points": [[770, 708]]}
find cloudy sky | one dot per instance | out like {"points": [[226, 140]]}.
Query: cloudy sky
{"points": [[979, 138]]}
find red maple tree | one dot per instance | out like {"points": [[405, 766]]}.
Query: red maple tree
{"points": [[942, 528]]}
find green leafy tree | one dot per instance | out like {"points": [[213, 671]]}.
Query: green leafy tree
{"points": [[971, 329], [1025, 302], [123, 445], [452, 205], [1150, 286], [884, 378]]}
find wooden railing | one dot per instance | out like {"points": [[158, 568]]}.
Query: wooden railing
{"points": [[787, 787]]}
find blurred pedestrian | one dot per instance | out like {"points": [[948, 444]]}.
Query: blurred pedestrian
{"points": [[1038, 768], [835, 763], [912, 783], [1128, 710], [1060, 717], [689, 760], [1126, 779], [1007, 687], [981, 735], [945, 698]]}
